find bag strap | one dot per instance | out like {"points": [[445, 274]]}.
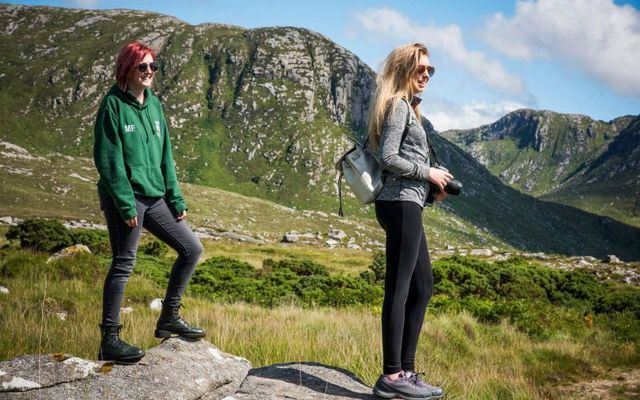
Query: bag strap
{"points": [[340, 211], [431, 150]]}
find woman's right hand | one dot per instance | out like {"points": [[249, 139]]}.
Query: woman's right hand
{"points": [[132, 223], [439, 177]]}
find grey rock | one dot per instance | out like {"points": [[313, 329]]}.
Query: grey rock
{"points": [[241, 238], [612, 259], [176, 369], [156, 304], [331, 243], [502, 257], [481, 252], [303, 381], [443, 253], [4, 290], [206, 233], [6, 220], [584, 263], [32, 371], [337, 234], [69, 252], [290, 237]]}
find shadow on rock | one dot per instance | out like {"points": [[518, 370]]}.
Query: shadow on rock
{"points": [[303, 380]]}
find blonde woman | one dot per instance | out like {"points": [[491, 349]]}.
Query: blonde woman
{"points": [[397, 135]]}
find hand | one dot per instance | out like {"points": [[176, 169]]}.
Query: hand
{"points": [[181, 216], [132, 223], [439, 177], [440, 196]]}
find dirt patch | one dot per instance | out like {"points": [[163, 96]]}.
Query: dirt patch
{"points": [[620, 386]]}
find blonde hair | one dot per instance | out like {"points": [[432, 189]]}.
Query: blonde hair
{"points": [[393, 84]]}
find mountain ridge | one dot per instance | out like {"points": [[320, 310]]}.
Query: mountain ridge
{"points": [[545, 153], [261, 112]]}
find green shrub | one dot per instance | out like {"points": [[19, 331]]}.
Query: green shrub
{"points": [[154, 248], [32, 266], [50, 236], [300, 267], [40, 234], [96, 240], [620, 300]]}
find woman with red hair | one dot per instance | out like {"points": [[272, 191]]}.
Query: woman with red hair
{"points": [[138, 188]]}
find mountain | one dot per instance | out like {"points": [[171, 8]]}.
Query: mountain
{"points": [[259, 112], [567, 158], [263, 112], [609, 185], [527, 222]]}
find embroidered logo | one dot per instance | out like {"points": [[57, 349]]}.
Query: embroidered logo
{"points": [[129, 128], [157, 128]]}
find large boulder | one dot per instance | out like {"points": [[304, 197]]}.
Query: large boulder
{"points": [[176, 369], [301, 381]]}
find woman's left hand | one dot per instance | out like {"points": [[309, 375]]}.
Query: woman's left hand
{"points": [[181, 216], [440, 196]]}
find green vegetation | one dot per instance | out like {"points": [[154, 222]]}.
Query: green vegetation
{"points": [[519, 329], [50, 235]]}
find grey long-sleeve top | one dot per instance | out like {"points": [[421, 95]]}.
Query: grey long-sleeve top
{"points": [[405, 162]]}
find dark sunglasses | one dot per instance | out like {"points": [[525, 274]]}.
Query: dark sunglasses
{"points": [[142, 67], [426, 68]]}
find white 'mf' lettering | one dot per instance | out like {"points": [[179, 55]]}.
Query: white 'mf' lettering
{"points": [[129, 128]]}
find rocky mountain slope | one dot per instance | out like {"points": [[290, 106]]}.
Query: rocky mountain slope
{"points": [[610, 184], [261, 112], [524, 221], [563, 157]]}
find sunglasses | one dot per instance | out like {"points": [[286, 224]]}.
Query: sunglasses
{"points": [[426, 68], [152, 65]]}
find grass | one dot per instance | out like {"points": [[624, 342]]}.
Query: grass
{"points": [[470, 359], [336, 260]]}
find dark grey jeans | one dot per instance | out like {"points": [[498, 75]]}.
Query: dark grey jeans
{"points": [[156, 217]]}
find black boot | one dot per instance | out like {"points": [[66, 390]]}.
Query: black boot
{"points": [[171, 323], [114, 349]]}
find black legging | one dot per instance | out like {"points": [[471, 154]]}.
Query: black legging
{"points": [[408, 283]]}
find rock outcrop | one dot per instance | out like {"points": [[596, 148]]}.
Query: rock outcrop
{"points": [[176, 369]]}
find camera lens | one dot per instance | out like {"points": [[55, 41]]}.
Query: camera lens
{"points": [[453, 187]]}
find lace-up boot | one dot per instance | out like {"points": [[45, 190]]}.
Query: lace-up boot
{"points": [[112, 348], [170, 323]]}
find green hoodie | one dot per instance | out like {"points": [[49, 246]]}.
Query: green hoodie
{"points": [[132, 152]]}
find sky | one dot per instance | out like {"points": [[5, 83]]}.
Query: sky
{"points": [[491, 56]]}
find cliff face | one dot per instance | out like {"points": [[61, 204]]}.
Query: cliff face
{"points": [[264, 112]]}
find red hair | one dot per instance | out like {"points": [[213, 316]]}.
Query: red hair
{"points": [[130, 56]]}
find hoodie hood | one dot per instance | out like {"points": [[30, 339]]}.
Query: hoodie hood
{"points": [[129, 98]]}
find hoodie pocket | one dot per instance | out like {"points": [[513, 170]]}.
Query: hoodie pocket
{"points": [[148, 180]]}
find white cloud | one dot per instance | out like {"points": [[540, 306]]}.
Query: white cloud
{"points": [[388, 23], [596, 36], [445, 114]]}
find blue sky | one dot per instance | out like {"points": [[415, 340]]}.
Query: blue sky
{"points": [[491, 56]]}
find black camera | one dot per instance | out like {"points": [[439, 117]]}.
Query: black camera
{"points": [[453, 187]]}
